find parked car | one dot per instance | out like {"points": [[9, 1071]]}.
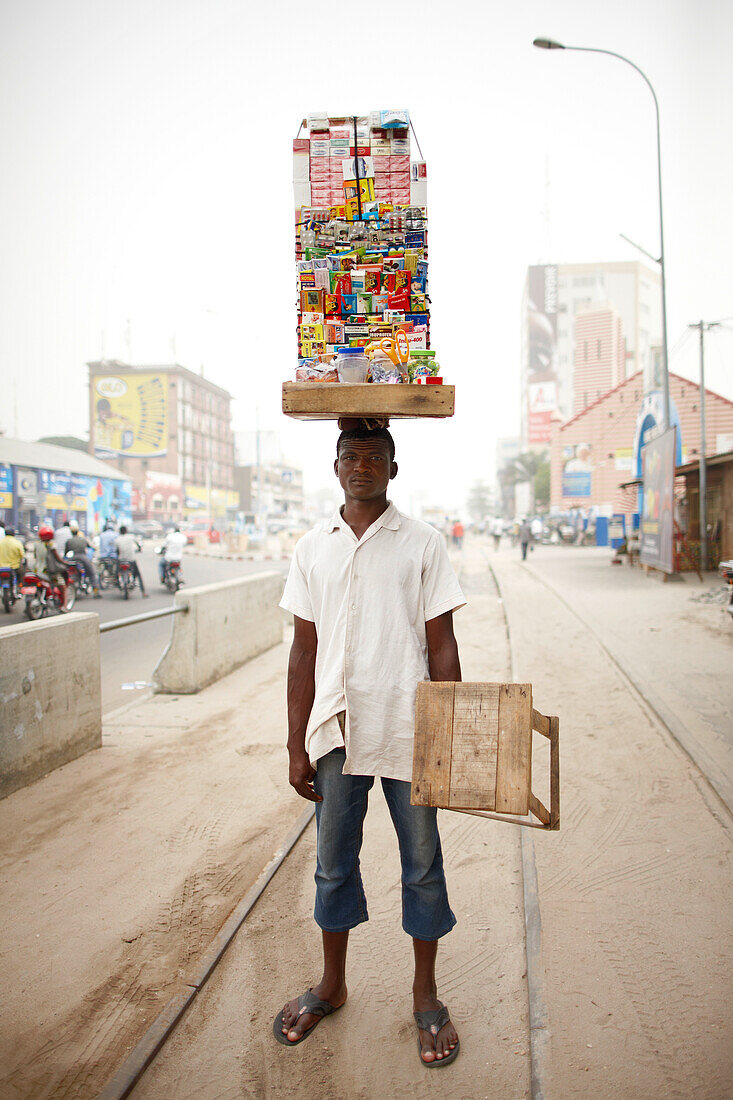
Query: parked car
{"points": [[200, 527], [148, 529]]}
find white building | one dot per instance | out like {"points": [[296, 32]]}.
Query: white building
{"points": [[554, 295]]}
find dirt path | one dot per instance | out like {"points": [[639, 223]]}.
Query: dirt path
{"points": [[636, 930], [118, 870], [224, 1046]]}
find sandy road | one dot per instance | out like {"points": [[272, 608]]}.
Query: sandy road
{"points": [[224, 1046], [122, 866], [636, 931]]}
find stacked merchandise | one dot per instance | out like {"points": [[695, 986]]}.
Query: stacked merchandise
{"points": [[361, 251]]}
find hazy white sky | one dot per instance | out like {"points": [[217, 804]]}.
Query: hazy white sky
{"points": [[146, 155]]}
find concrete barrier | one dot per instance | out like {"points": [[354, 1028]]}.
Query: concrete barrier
{"points": [[226, 624], [50, 696]]}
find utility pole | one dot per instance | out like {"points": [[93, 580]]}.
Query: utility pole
{"points": [[703, 511]]}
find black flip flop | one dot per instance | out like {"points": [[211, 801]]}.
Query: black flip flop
{"points": [[307, 1002], [433, 1021]]}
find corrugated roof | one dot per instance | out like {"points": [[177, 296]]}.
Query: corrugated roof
{"points": [[47, 456], [634, 378]]}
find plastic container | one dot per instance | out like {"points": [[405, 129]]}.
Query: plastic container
{"points": [[352, 365]]}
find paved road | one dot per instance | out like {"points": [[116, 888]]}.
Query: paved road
{"points": [[130, 655]]}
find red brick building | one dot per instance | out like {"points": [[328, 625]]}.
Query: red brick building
{"points": [[600, 354], [591, 454]]}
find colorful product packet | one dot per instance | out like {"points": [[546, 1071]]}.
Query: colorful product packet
{"points": [[340, 282], [402, 280], [349, 304], [311, 301]]}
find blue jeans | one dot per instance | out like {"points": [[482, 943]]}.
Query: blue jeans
{"points": [[340, 899]]}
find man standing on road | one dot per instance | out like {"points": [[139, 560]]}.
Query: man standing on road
{"points": [[127, 548], [497, 530], [173, 547], [79, 546], [525, 536], [373, 594]]}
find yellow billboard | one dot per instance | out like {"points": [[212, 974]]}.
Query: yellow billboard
{"points": [[130, 415]]}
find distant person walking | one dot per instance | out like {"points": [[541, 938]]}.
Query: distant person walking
{"points": [[525, 537], [458, 533], [497, 530]]}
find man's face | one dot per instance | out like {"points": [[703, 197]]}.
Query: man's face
{"points": [[364, 469]]}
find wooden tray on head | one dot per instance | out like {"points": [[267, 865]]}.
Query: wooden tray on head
{"points": [[333, 400], [473, 752]]}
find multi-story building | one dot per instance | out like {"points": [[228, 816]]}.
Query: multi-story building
{"points": [[600, 356], [267, 484], [169, 430], [555, 295]]}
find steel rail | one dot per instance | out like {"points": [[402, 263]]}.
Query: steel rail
{"points": [[143, 617], [134, 1066], [539, 1017]]}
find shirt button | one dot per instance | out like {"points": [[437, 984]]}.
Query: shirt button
{"points": [[353, 607]]}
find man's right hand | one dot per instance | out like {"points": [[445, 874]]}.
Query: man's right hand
{"points": [[301, 776]]}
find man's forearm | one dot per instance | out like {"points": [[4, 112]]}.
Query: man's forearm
{"points": [[444, 663], [301, 693]]}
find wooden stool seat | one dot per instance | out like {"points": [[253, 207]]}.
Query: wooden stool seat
{"points": [[473, 752]]}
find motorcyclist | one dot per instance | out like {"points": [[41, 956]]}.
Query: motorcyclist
{"points": [[173, 546], [62, 536], [127, 548], [50, 564], [12, 553], [79, 545]]}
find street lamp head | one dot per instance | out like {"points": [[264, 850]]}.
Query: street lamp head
{"points": [[547, 44]]}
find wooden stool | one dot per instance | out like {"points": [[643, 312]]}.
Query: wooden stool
{"points": [[473, 752]]}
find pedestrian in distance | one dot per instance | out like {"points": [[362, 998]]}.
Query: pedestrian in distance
{"points": [[372, 593], [525, 536], [497, 530]]}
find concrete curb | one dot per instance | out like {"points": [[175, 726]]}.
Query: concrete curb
{"points": [[539, 1017], [134, 1066]]}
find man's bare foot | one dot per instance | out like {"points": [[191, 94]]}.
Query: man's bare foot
{"points": [[434, 1047], [294, 1025]]}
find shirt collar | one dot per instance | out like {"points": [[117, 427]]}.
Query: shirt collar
{"points": [[390, 519]]}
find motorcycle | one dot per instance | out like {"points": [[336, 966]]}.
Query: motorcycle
{"points": [[9, 587], [172, 576], [125, 578], [41, 596], [107, 573], [78, 575], [726, 568]]}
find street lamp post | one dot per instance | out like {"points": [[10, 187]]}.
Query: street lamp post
{"points": [[550, 44]]}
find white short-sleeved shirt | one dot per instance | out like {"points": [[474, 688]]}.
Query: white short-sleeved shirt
{"points": [[370, 599]]}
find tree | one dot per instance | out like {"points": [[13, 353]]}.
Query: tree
{"points": [[71, 441], [479, 500], [532, 467], [542, 486]]}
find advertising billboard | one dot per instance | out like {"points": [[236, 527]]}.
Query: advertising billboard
{"points": [[6, 486], [577, 470], [541, 379], [657, 509], [129, 415]]}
